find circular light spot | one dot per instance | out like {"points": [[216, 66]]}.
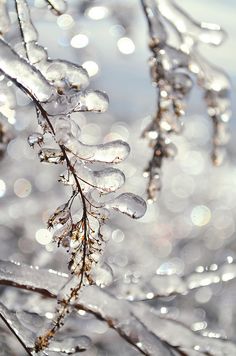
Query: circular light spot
{"points": [[79, 41], [126, 45], [22, 187], [118, 235], [91, 67], [2, 188], [65, 21], [43, 236], [98, 12], [200, 215]]}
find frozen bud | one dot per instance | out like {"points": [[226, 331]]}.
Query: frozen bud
{"points": [[102, 274], [170, 149], [60, 216], [63, 234], [51, 155], [181, 83], [222, 134], [35, 138], [154, 187]]}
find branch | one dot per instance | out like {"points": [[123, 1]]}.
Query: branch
{"points": [[159, 286], [134, 322]]}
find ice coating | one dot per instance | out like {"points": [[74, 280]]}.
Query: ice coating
{"points": [[71, 346], [156, 28], [92, 100], [190, 29], [7, 99], [57, 6], [129, 204], [57, 72], [30, 79], [4, 17], [172, 68], [109, 179], [24, 334], [35, 138], [109, 152], [29, 31]]}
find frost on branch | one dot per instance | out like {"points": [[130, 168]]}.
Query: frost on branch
{"points": [[57, 89], [172, 71]]}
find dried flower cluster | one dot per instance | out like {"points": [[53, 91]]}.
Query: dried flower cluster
{"points": [[173, 69]]}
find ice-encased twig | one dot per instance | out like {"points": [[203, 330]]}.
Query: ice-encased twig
{"points": [[24, 75], [82, 237], [27, 332], [180, 336], [25, 337], [171, 74], [135, 322], [161, 285]]}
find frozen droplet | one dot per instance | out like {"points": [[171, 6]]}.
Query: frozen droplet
{"points": [[102, 275], [110, 152], [109, 179], [61, 73], [62, 234], [92, 100], [35, 138], [129, 204]]}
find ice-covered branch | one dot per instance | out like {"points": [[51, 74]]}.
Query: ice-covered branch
{"points": [[172, 69], [161, 285], [135, 322], [58, 88]]}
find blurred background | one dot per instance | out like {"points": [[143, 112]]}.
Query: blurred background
{"points": [[193, 222]]}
